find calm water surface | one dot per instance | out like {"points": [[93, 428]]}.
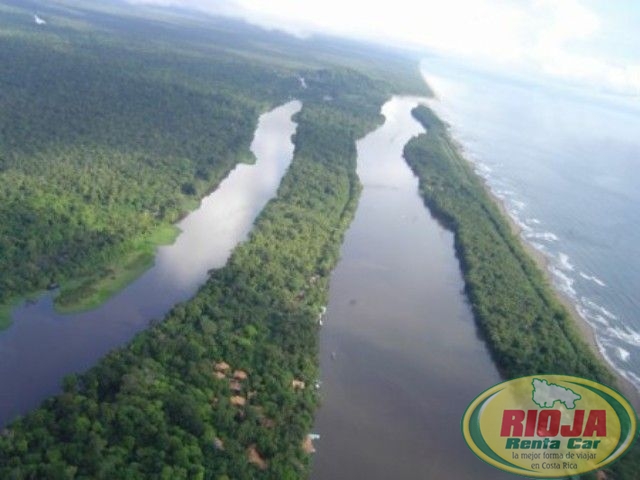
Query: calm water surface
{"points": [[42, 346], [400, 355]]}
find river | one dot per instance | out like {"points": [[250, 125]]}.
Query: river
{"points": [[42, 346], [400, 354]]}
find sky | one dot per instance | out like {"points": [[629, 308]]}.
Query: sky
{"points": [[592, 43]]}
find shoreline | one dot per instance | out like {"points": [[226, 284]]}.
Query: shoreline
{"points": [[83, 293], [100, 287], [584, 328], [440, 163], [626, 388]]}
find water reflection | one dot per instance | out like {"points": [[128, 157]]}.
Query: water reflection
{"points": [[42, 346], [400, 357]]}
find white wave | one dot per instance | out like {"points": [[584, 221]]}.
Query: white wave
{"points": [[626, 334], [605, 354], [547, 236], [513, 213], [523, 226], [303, 82], [563, 281], [518, 204], [500, 193], [623, 354], [482, 167], [599, 308], [563, 258], [591, 317], [38, 20], [593, 278], [533, 221], [601, 320], [538, 246]]}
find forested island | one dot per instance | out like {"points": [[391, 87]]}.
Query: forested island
{"points": [[114, 125]]}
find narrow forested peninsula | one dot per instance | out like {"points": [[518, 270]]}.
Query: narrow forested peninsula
{"points": [[526, 327]]}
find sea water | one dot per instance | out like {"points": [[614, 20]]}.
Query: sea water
{"points": [[565, 163]]}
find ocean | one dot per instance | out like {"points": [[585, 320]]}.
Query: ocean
{"points": [[565, 163]]}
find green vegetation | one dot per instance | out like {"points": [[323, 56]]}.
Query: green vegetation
{"points": [[156, 408], [91, 291], [107, 139], [5, 312], [527, 329], [114, 121], [104, 147]]}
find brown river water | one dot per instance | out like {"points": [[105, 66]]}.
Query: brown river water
{"points": [[400, 354]]}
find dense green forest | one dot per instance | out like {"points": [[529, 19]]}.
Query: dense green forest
{"points": [[102, 145], [106, 139], [113, 124], [527, 329], [158, 408]]}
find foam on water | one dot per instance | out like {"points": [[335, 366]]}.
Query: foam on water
{"points": [[618, 342], [623, 354], [590, 317], [522, 225], [563, 281], [631, 377], [599, 308], [484, 169], [518, 204], [565, 264], [593, 278], [538, 246], [546, 236], [624, 333]]}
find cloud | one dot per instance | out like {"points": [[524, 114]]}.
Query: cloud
{"points": [[563, 30], [538, 37]]}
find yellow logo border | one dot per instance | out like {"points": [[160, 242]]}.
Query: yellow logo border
{"points": [[473, 436]]}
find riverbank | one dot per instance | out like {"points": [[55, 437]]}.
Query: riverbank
{"points": [[5, 311], [528, 327], [213, 380], [503, 281], [42, 345], [91, 290], [399, 335], [87, 293]]}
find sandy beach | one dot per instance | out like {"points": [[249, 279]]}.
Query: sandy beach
{"points": [[622, 384]]}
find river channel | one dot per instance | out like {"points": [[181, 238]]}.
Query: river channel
{"points": [[42, 346], [400, 355]]}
